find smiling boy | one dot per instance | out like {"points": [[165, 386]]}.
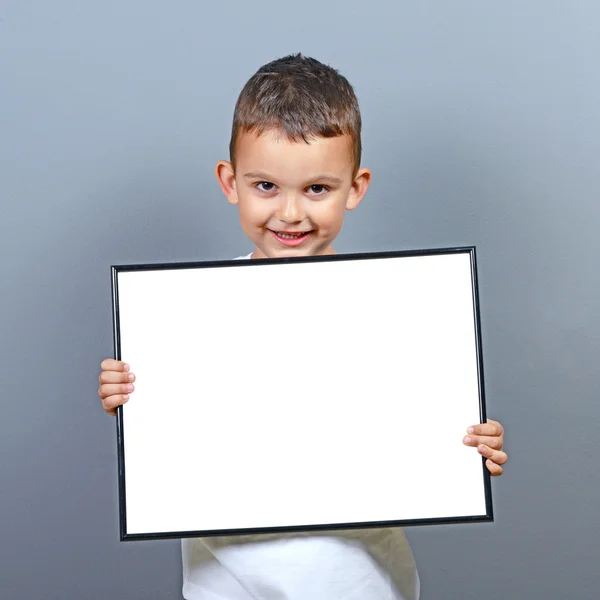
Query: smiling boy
{"points": [[294, 171], [292, 197]]}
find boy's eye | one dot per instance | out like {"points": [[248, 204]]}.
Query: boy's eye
{"points": [[265, 186], [318, 189]]}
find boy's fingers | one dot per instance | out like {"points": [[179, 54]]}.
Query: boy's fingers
{"points": [[493, 468], [496, 456], [491, 428], [111, 403], [110, 364], [476, 440], [116, 377], [112, 389]]}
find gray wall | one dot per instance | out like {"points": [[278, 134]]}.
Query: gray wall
{"points": [[482, 126]]}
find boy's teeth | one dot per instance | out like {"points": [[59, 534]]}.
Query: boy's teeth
{"points": [[290, 235]]}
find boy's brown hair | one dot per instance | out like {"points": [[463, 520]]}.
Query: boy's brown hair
{"points": [[303, 98]]}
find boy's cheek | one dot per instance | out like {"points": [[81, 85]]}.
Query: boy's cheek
{"points": [[253, 211], [329, 216]]}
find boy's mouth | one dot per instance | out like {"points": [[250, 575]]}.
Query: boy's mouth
{"points": [[290, 238]]}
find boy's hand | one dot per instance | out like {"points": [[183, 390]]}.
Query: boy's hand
{"points": [[488, 438], [116, 383]]}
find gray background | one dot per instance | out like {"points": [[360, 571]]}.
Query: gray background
{"points": [[482, 126]]}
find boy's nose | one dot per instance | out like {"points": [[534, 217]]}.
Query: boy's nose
{"points": [[291, 209]]}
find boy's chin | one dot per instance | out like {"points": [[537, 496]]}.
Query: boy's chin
{"points": [[283, 253], [290, 252]]}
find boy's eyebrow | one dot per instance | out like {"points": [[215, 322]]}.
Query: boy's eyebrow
{"points": [[266, 177], [257, 175]]}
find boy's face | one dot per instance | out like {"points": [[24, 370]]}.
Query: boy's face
{"points": [[292, 196]]}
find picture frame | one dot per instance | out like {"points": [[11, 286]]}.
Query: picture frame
{"points": [[300, 394]]}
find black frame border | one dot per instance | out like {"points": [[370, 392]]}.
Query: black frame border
{"points": [[116, 269]]}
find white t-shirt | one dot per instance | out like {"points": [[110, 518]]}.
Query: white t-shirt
{"points": [[367, 564]]}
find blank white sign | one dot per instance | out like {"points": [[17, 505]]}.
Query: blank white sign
{"points": [[308, 393]]}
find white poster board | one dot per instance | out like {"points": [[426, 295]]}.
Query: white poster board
{"points": [[300, 394]]}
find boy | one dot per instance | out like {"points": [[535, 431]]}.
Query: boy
{"points": [[294, 170]]}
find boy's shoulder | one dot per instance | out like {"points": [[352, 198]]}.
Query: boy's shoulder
{"points": [[244, 257]]}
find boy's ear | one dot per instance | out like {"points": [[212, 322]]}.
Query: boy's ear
{"points": [[359, 188], [225, 174]]}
